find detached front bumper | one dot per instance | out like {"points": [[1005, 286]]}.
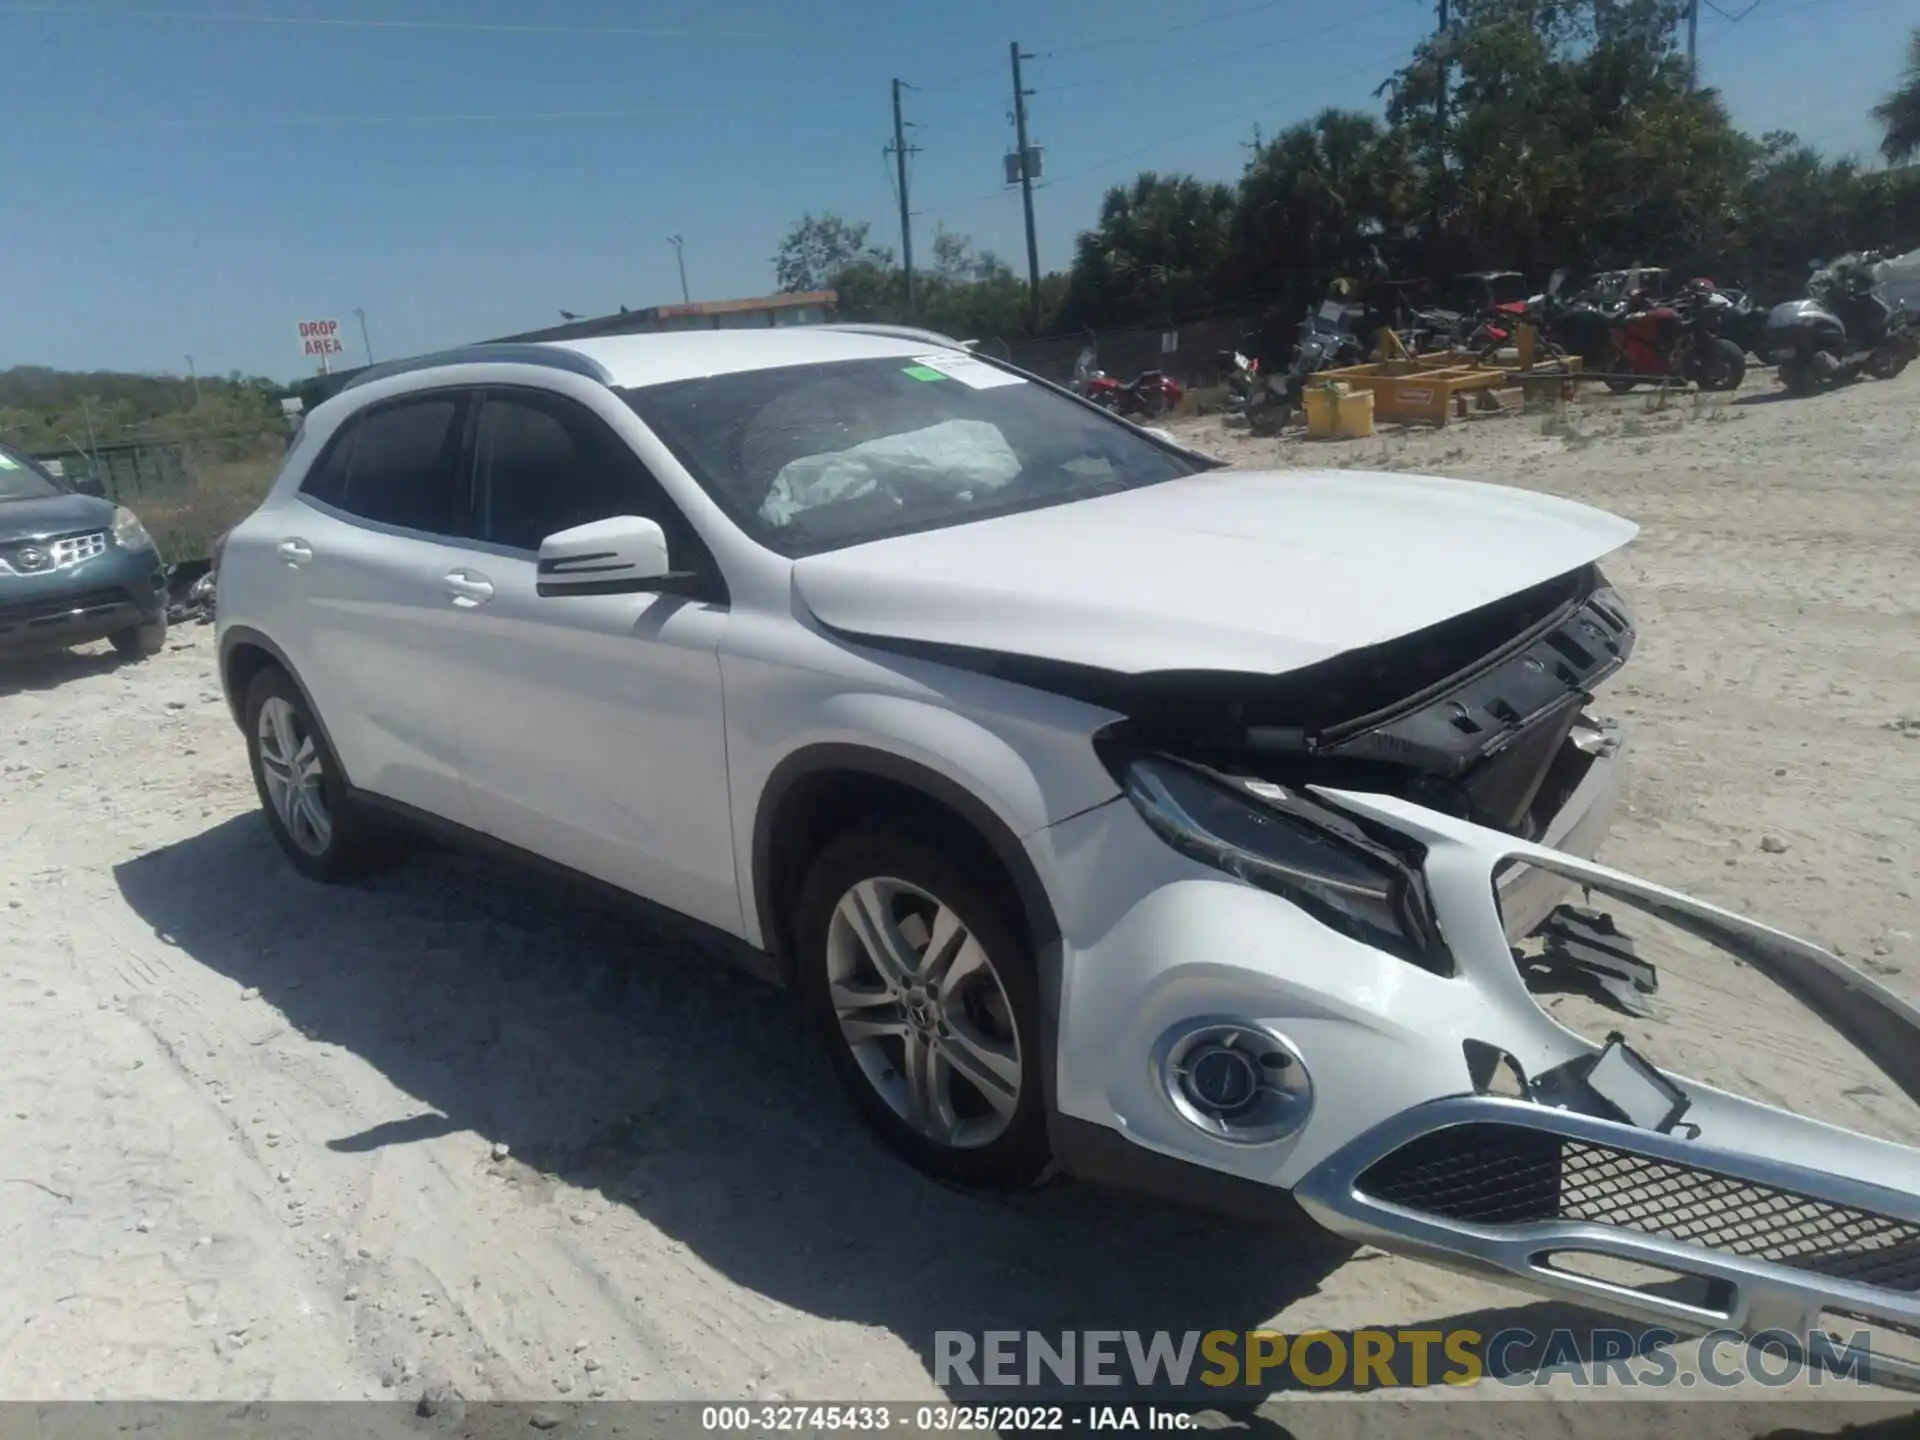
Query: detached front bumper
{"points": [[1741, 1215]]}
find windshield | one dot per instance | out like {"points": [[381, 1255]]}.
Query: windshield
{"points": [[21, 478], [808, 458]]}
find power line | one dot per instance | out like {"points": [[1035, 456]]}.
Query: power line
{"points": [[1152, 36], [1106, 162], [1214, 56], [325, 22], [1159, 30], [272, 122]]}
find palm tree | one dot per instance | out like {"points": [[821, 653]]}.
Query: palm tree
{"points": [[1900, 111]]}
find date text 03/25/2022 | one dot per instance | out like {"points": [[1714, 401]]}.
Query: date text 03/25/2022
{"points": [[763, 1419]]}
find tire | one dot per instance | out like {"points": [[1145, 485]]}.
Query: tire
{"points": [[141, 642], [1612, 363], [348, 843], [1722, 365], [982, 1014], [1799, 377], [1887, 362]]}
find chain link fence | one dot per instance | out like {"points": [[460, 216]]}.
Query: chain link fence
{"points": [[186, 492]]}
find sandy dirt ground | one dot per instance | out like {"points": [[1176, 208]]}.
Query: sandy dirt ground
{"points": [[457, 1130]]}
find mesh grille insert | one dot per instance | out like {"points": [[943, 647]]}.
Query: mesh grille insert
{"points": [[1507, 1175]]}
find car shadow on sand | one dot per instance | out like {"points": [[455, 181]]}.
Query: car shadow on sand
{"points": [[56, 668], [620, 1055]]}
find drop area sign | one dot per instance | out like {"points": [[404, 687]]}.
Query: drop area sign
{"points": [[320, 340]]}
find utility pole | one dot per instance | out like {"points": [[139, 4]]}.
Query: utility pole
{"points": [[680, 257], [900, 152], [196, 381], [1026, 189], [365, 343], [1440, 118], [1693, 41]]}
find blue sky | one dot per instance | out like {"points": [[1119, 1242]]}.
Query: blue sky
{"points": [[195, 176]]}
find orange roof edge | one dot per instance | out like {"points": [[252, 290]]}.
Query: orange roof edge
{"points": [[765, 302]]}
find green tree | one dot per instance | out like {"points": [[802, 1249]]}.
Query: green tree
{"points": [[1314, 199], [1155, 254], [1899, 113], [820, 248]]}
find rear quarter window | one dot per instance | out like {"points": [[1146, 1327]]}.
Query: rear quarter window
{"points": [[326, 479]]}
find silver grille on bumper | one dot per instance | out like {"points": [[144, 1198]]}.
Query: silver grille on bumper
{"points": [[75, 548], [39, 557], [1506, 1175]]}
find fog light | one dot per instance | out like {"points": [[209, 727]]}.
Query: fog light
{"points": [[1238, 1082]]}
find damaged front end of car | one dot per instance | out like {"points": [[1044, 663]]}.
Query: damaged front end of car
{"points": [[1578, 1167], [1486, 716]]}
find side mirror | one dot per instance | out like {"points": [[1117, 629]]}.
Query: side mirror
{"points": [[88, 485], [1556, 280], [624, 555]]}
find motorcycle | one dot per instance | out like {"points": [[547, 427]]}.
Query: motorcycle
{"points": [[1670, 340], [1151, 393], [1327, 341], [1842, 330], [1242, 373]]}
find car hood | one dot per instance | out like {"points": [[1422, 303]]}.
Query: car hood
{"points": [[1228, 571], [55, 515]]}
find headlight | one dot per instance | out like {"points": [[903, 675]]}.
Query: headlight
{"points": [[128, 532], [1282, 842]]}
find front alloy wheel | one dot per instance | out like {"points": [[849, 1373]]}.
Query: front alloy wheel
{"points": [[924, 1013], [911, 957]]}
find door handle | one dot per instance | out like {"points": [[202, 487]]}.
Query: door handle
{"points": [[468, 589], [295, 552]]}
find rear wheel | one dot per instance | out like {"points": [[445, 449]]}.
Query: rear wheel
{"points": [[1887, 361], [322, 831], [913, 965], [1721, 365], [1799, 376], [140, 642]]}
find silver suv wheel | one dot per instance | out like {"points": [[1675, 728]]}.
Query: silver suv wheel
{"points": [[294, 776], [924, 1012]]}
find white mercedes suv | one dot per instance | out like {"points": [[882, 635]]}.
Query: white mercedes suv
{"points": [[938, 687], [1108, 810]]}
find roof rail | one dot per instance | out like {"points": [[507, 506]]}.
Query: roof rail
{"points": [[897, 332], [552, 357]]}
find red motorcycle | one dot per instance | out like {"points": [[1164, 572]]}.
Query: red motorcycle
{"points": [[1661, 341], [1150, 395]]}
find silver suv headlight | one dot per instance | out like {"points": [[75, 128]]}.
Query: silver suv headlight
{"points": [[128, 532], [1350, 876]]}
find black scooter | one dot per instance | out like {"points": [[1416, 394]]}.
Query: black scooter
{"points": [[1841, 331]]}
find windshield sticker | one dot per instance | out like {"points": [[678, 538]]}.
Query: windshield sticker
{"points": [[921, 372], [975, 374]]}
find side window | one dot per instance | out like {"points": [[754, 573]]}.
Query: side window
{"points": [[404, 466], [547, 465], [327, 480]]}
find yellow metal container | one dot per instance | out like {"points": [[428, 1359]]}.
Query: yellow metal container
{"points": [[1322, 404], [1353, 414]]}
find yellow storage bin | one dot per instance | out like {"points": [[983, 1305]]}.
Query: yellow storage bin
{"points": [[1322, 404], [1353, 414]]}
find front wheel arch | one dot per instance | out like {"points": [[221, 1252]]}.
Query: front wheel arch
{"points": [[820, 790]]}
